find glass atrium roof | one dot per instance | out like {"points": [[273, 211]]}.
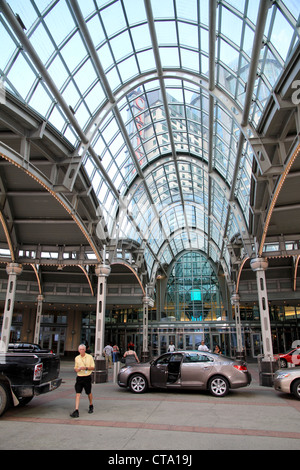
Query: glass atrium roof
{"points": [[159, 97]]}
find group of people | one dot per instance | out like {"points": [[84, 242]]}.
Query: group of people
{"points": [[85, 365], [112, 354], [202, 347]]}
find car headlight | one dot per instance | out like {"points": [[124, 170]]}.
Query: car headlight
{"points": [[282, 375]]}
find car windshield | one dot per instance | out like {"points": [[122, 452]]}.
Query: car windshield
{"points": [[291, 350]]}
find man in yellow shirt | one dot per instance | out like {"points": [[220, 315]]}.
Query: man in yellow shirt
{"points": [[84, 366]]}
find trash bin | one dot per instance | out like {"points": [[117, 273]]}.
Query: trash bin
{"points": [[266, 368], [100, 372]]}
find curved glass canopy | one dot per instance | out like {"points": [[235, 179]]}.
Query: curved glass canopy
{"points": [[159, 98]]}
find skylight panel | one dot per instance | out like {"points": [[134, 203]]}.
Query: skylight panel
{"points": [[22, 76], [113, 18], [141, 37], [231, 26], [42, 43], [74, 52], [135, 11], [60, 22], [188, 35], [282, 34]]}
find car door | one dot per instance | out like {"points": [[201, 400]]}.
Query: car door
{"points": [[196, 369], [159, 371]]}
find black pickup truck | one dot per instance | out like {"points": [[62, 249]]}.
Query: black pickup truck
{"points": [[25, 375]]}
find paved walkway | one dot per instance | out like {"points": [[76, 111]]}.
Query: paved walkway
{"points": [[250, 418]]}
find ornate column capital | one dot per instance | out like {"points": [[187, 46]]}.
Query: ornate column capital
{"points": [[102, 270], [14, 268], [235, 299], [259, 264]]}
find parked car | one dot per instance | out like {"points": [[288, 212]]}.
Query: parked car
{"points": [[288, 381], [186, 370], [27, 347], [292, 356], [26, 375]]}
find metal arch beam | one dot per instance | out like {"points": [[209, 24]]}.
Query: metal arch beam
{"points": [[211, 105], [275, 195], [152, 31], [124, 263], [232, 202], [179, 231], [17, 159], [101, 74], [221, 95], [257, 45]]}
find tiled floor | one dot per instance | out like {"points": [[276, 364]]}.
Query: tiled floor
{"points": [[255, 417]]}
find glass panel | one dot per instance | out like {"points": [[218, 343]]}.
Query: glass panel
{"points": [[193, 291], [142, 164]]}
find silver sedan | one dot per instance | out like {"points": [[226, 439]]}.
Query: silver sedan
{"points": [[186, 370], [288, 381]]}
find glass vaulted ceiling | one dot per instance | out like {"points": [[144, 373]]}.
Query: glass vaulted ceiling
{"points": [[157, 91]]}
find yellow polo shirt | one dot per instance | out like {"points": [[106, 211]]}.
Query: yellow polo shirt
{"points": [[84, 361]]}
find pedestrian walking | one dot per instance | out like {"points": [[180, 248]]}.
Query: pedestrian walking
{"points": [[84, 366]]}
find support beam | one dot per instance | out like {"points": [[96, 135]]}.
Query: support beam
{"points": [[13, 270], [259, 266], [102, 271], [40, 299], [235, 301]]}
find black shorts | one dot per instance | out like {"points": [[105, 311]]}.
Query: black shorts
{"points": [[83, 383]]}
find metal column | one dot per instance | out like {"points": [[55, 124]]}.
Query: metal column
{"points": [[13, 270], [147, 301], [235, 301], [40, 299], [102, 271], [259, 266]]}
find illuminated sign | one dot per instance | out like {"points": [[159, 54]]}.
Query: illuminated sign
{"points": [[195, 295]]}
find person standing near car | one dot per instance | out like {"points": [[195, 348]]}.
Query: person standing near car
{"points": [[108, 352], [115, 353], [130, 356], [171, 347], [84, 366], [203, 347]]}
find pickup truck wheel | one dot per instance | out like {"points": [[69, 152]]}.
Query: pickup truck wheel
{"points": [[4, 399]]}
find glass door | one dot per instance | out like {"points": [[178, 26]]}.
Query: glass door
{"points": [[53, 340], [165, 341], [256, 345]]}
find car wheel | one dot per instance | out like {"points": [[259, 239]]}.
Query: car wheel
{"points": [[138, 383], [296, 389], [218, 386], [4, 399], [283, 363]]}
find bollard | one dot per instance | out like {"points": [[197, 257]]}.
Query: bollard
{"points": [[116, 371]]}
